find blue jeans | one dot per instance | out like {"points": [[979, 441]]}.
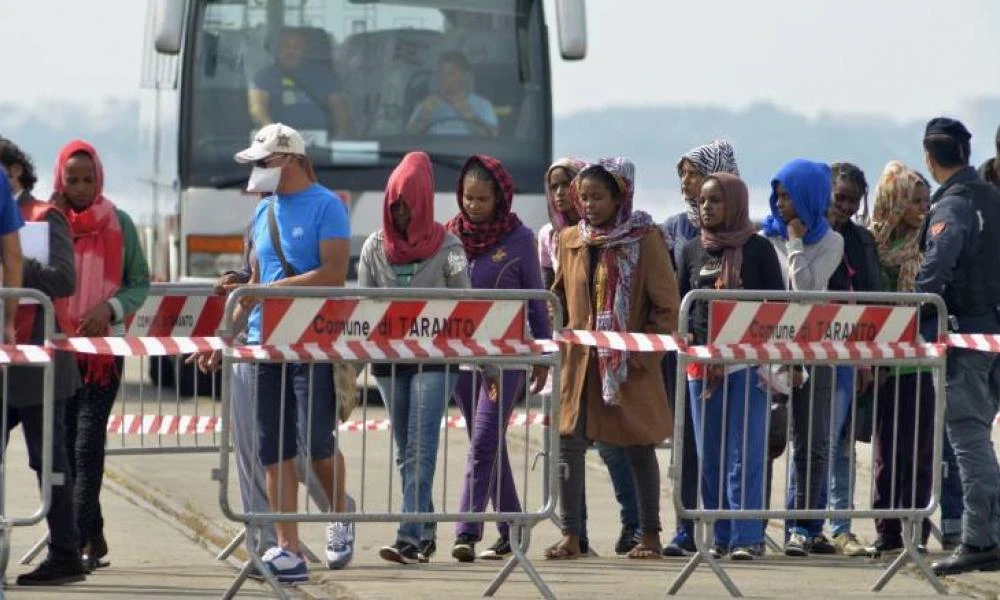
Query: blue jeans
{"points": [[739, 474], [417, 402], [620, 472]]}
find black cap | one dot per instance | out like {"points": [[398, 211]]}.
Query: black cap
{"points": [[952, 129]]}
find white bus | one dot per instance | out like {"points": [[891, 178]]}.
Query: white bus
{"points": [[354, 76]]}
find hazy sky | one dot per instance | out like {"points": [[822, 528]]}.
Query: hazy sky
{"points": [[906, 58]]}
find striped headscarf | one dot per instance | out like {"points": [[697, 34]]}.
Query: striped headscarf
{"points": [[715, 157], [893, 193], [618, 255]]}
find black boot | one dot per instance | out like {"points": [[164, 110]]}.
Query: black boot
{"points": [[54, 572], [969, 558]]}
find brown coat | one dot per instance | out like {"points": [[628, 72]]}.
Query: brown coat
{"points": [[643, 415]]}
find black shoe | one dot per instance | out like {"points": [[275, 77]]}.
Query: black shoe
{"points": [[718, 551], [400, 552], [821, 545], [99, 546], [584, 546], [54, 572], [498, 551], [627, 539], [681, 545], [426, 550], [967, 558], [464, 549], [885, 545]]}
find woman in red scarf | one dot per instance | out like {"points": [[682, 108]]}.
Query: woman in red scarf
{"points": [[412, 250], [112, 283]]}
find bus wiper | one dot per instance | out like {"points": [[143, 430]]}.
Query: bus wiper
{"points": [[228, 181]]}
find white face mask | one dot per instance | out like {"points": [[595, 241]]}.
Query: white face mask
{"points": [[264, 179]]}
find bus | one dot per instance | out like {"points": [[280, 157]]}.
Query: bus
{"points": [[363, 80]]}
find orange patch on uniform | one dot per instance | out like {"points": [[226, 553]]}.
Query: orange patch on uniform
{"points": [[937, 228]]}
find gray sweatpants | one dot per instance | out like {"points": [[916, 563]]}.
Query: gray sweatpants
{"points": [[253, 487], [973, 386]]}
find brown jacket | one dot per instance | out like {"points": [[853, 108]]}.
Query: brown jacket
{"points": [[642, 416]]}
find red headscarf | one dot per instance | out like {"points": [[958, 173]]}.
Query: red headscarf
{"points": [[483, 237], [99, 252], [412, 183]]}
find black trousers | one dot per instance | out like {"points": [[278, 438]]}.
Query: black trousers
{"points": [[64, 538], [87, 415]]}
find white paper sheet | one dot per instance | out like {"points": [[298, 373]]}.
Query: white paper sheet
{"points": [[35, 241]]}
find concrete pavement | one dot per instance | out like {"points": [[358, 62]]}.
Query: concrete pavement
{"points": [[164, 525]]}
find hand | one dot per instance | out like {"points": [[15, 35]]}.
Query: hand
{"points": [[208, 362], [9, 334], [247, 302], [430, 104], [539, 375], [95, 322], [714, 375], [59, 201], [493, 389], [463, 108], [796, 229], [865, 380], [227, 283], [797, 378]]}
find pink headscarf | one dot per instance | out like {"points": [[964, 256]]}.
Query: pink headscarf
{"points": [[736, 229]]}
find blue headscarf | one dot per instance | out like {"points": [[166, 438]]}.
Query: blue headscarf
{"points": [[808, 183]]}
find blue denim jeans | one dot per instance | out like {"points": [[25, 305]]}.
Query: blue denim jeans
{"points": [[417, 403], [951, 492], [719, 426]]}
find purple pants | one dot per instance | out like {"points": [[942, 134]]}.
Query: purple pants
{"points": [[487, 459]]}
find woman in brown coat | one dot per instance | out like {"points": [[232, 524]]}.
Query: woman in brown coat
{"points": [[614, 275]]}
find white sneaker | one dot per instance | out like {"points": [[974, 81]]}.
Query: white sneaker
{"points": [[340, 539], [288, 568]]}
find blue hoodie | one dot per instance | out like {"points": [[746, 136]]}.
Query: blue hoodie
{"points": [[808, 183]]}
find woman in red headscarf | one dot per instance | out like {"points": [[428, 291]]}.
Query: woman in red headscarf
{"points": [[112, 283], [412, 250]]}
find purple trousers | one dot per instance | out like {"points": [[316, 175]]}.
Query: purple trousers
{"points": [[487, 462]]}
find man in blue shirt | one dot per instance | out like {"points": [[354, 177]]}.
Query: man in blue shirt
{"points": [[10, 253], [313, 248], [298, 91], [454, 110]]}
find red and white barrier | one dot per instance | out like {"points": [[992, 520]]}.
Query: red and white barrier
{"points": [[204, 424], [139, 346], [23, 354]]}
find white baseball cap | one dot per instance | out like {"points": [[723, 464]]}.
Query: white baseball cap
{"points": [[275, 138]]}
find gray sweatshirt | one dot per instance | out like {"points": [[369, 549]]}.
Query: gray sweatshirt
{"points": [[808, 268], [449, 268]]}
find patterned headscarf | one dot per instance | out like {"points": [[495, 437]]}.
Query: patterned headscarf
{"points": [[893, 193], [618, 245], [478, 238], [735, 231], [572, 166], [716, 157]]}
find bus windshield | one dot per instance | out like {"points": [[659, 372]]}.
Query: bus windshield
{"points": [[365, 81]]}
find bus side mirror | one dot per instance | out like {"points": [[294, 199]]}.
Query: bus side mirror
{"points": [[169, 30], [571, 18]]}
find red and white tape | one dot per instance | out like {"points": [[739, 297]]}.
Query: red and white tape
{"points": [[139, 346], [817, 351], [392, 349], [975, 341], [204, 424], [23, 354]]}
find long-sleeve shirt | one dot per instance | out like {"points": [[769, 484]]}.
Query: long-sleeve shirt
{"points": [[807, 268], [135, 276]]}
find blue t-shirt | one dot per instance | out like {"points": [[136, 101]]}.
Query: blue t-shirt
{"points": [[10, 216], [304, 220], [298, 97], [445, 120]]}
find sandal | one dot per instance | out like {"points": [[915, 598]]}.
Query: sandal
{"points": [[643, 552], [561, 551]]}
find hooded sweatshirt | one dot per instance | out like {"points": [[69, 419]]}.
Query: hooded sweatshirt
{"points": [[807, 263]]}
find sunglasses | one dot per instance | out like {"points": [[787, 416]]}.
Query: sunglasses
{"points": [[266, 162]]}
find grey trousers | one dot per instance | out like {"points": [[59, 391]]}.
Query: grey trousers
{"points": [[253, 487], [645, 474], [972, 387]]}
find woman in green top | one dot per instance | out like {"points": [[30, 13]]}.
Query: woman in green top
{"points": [[112, 283], [904, 420]]}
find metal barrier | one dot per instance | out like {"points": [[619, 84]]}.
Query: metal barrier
{"points": [[33, 357], [777, 340], [436, 335]]}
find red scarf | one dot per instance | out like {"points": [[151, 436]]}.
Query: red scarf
{"points": [[479, 238], [412, 183], [99, 251]]}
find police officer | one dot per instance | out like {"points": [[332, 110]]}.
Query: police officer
{"points": [[959, 240]]}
